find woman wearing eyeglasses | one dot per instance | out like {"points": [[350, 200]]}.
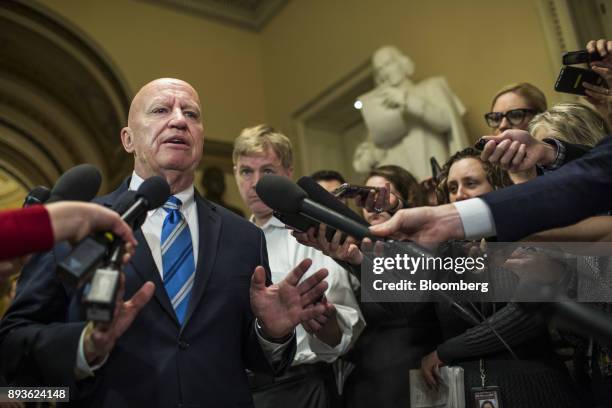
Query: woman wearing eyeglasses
{"points": [[513, 107]]}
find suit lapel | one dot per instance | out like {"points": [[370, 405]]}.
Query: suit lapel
{"points": [[142, 261], [209, 223], [145, 267]]}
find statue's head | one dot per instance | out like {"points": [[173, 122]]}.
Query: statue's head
{"points": [[391, 67]]}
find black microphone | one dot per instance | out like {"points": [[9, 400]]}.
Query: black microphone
{"points": [[317, 193], [99, 295], [80, 183], [38, 195], [125, 201], [152, 193], [88, 254], [286, 197]]}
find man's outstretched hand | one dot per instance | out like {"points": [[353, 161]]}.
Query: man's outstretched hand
{"points": [[284, 305], [101, 340]]}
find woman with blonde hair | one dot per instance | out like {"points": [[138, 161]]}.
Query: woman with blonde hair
{"points": [[571, 122]]}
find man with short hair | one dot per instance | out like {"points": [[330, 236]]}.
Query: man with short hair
{"points": [[260, 151], [200, 311], [328, 179]]}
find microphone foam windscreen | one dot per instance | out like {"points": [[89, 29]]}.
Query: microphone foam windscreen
{"points": [[80, 183], [280, 194], [124, 202], [38, 195], [325, 198], [155, 190]]}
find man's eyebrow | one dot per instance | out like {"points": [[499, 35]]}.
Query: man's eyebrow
{"points": [[156, 101]]}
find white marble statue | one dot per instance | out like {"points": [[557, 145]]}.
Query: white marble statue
{"points": [[408, 122]]}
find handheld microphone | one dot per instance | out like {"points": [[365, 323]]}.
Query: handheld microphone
{"points": [[78, 266], [38, 195], [80, 183], [317, 193], [284, 196], [99, 296]]}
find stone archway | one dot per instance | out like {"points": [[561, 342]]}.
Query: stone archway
{"points": [[62, 102]]}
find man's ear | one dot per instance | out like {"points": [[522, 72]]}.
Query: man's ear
{"points": [[127, 139]]}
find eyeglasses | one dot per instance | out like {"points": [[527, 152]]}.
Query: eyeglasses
{"points": [[514, 116]]}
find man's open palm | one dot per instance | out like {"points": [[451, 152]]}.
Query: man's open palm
{"points": [[282, 306]]}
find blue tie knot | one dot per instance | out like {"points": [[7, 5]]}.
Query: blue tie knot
{"points": [[173, 204]]}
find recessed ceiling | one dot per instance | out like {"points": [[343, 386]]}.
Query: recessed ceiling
{"points": [[248, 14]]}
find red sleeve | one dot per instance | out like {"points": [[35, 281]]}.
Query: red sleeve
{"points": [[24, 231]]}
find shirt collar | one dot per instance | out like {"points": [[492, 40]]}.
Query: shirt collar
{"points": [[273, 222], [186, 196]]}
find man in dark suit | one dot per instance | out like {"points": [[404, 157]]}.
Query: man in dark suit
{"points": [[201, 308], [577, 190]]}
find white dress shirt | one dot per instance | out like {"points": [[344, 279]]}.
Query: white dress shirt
{"points": [[476, 217], [284, 254]]}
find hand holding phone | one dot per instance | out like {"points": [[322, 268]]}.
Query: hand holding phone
{"points": [[580, 57], [347, 190], [571, 80]]}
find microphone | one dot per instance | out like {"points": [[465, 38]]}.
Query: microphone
{"points": [[99, 295], [38, 195], [322, 196], [80, 183], [286, 197], [152, 193], [88, 254], [327, 199], [124, 202]]}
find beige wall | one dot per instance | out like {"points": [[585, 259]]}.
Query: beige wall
{"points": [[478, 45], [145, 41]]}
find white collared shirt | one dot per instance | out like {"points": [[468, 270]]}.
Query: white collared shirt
{"points": [[284, 254], [476, 218], [152, 227]]}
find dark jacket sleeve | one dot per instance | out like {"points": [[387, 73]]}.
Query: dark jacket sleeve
{"points": [[38, 344], [580, 189], [513, 324], [574, 151]]}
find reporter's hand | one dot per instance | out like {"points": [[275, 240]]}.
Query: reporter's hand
{"points": [[379, 200], [516, 150], [426, 226], [73, 221], [599, 96], [100, 341], [531, 266], [348, 251], [602, 47], [325, 326], [430, 366]]}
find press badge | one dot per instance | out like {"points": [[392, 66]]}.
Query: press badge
{"points": [[486, 397]]}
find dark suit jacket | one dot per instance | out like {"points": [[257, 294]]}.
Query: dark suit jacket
{"points": [[156, 363], [578, 190]]}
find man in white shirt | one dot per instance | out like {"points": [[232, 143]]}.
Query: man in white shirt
{"points": [[259, 151]]}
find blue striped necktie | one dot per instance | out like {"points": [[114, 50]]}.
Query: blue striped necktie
{"points": [[177, 257]]}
